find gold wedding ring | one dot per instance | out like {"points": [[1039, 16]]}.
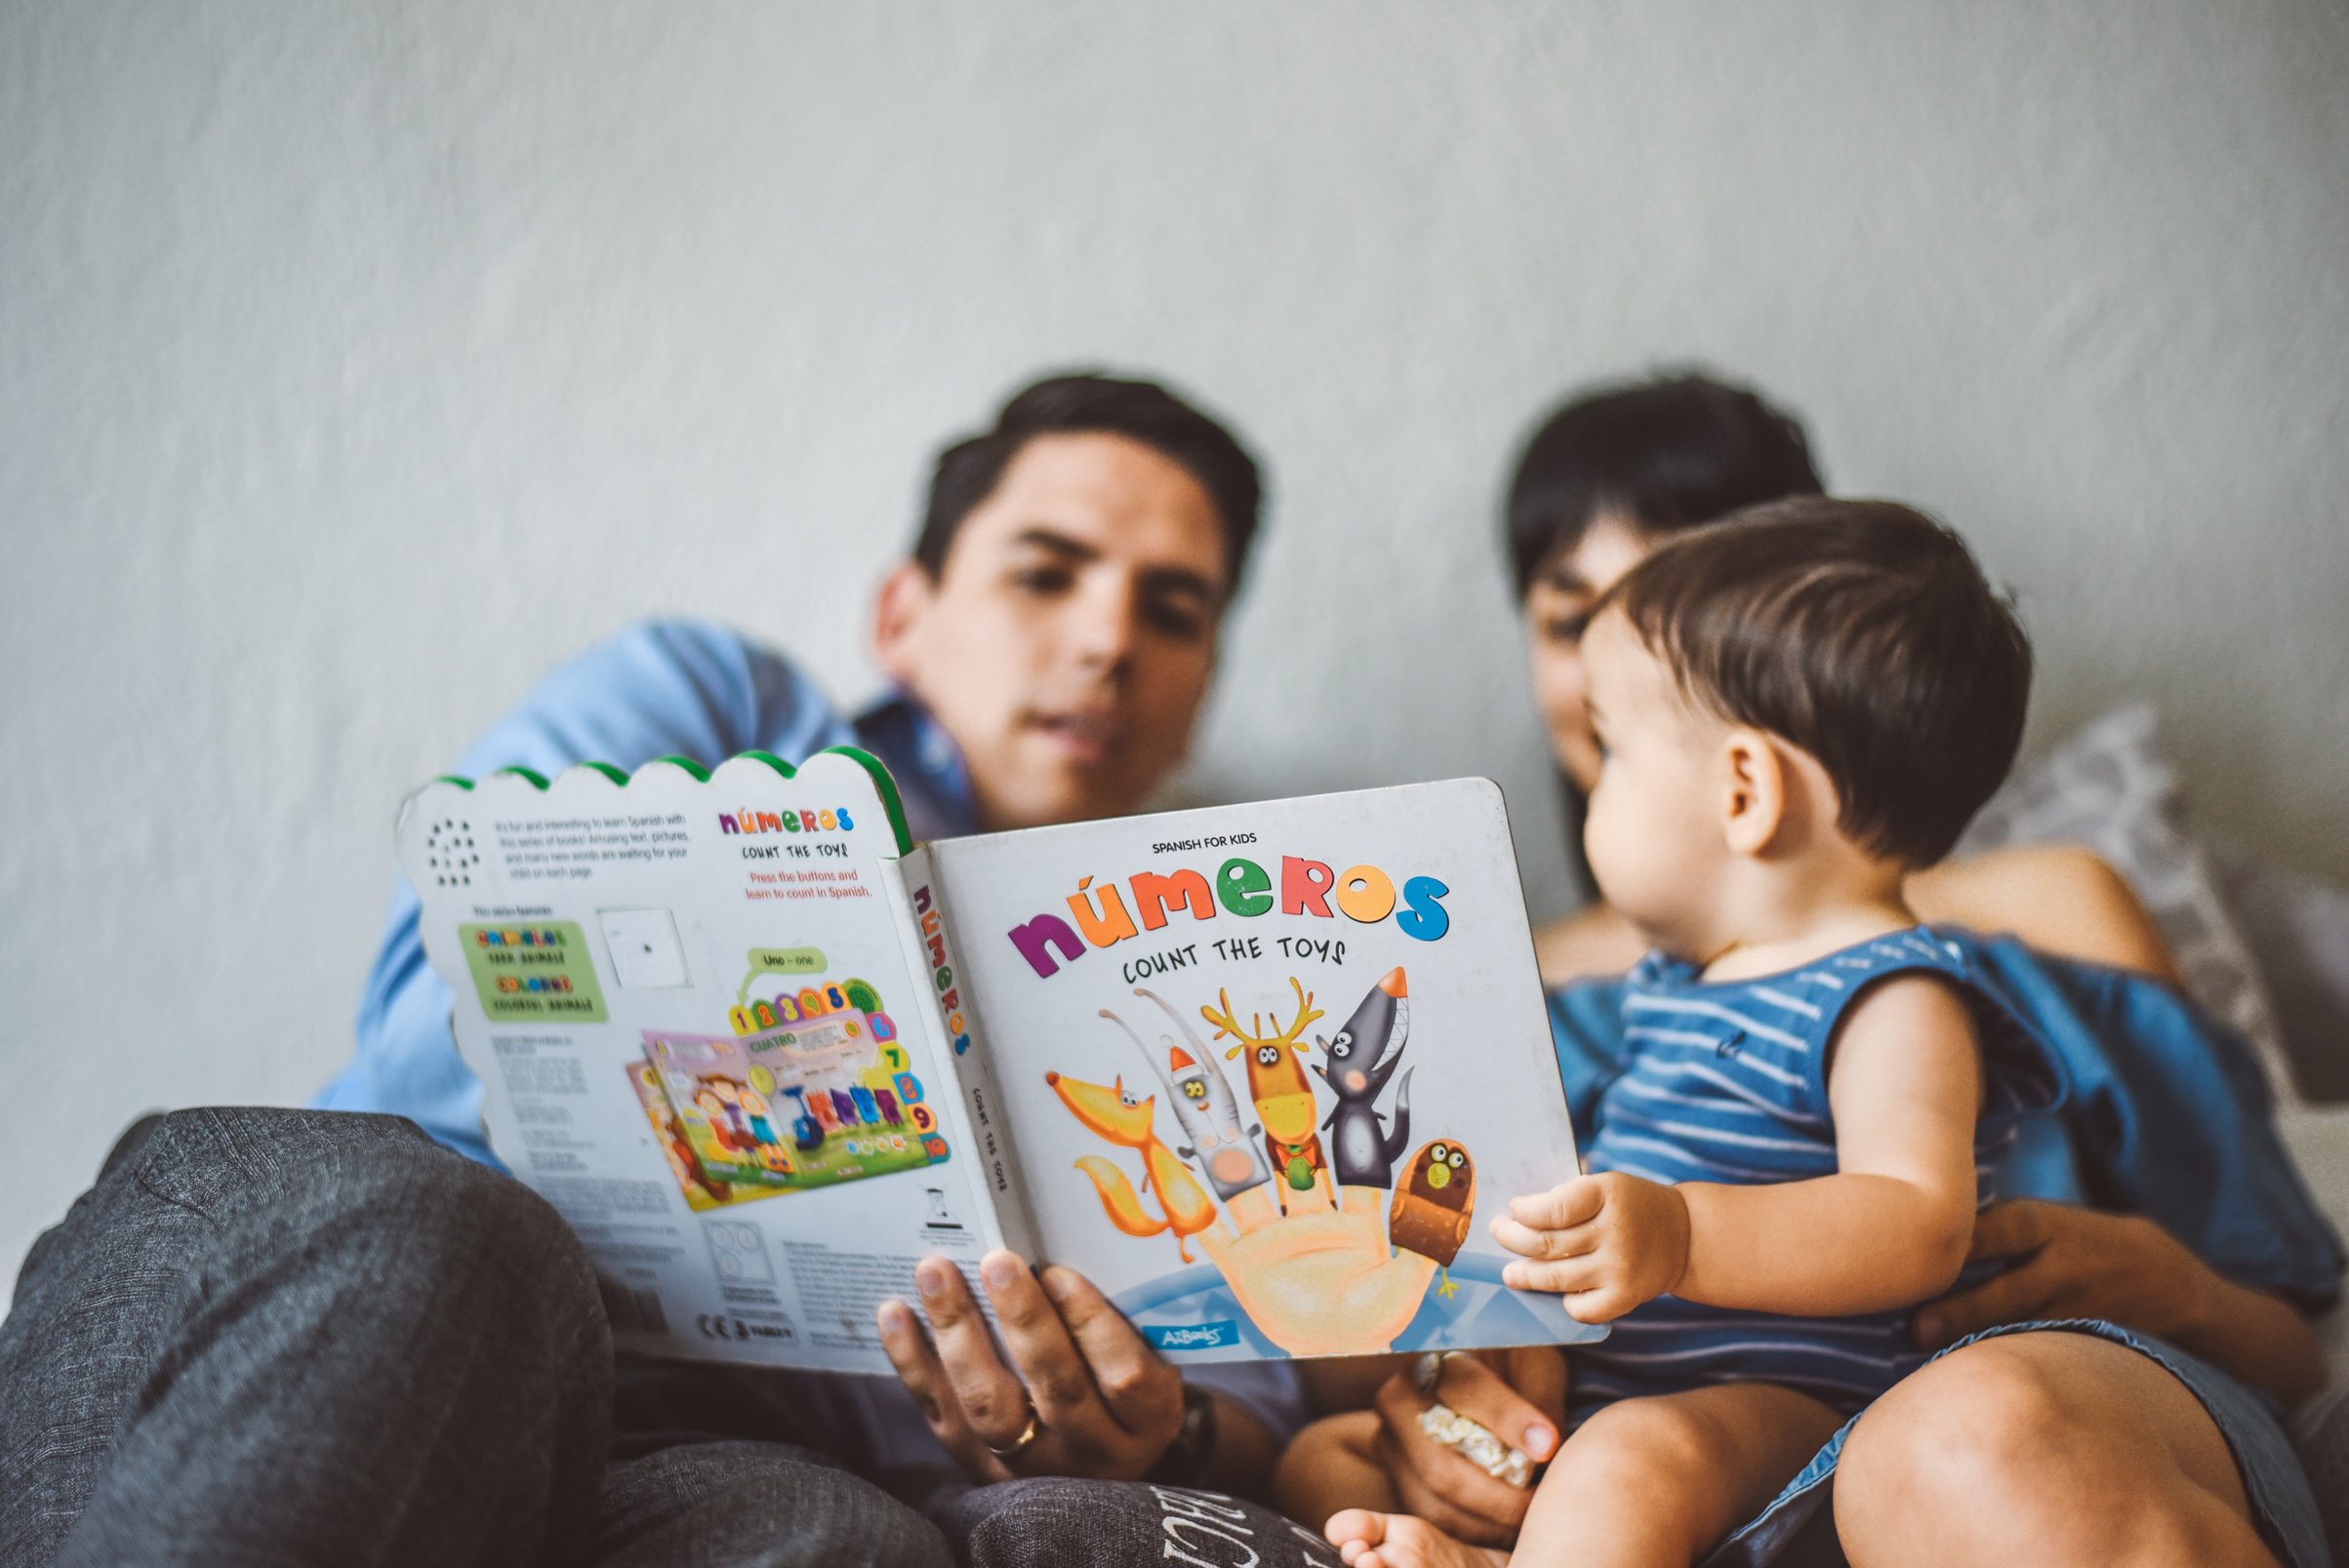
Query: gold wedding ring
{"points": [[1019, 1444]]}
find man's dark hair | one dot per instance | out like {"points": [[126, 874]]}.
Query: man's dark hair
{"points": [[1668, 454], [1087, 403], [1862, 633]]}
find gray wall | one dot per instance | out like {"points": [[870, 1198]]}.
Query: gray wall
{"points": [[358, 360]]}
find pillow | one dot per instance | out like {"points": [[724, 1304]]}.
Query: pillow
{"points": [[2109, 788], [2299, 927], [2318, 1141], [2322, 1435]]}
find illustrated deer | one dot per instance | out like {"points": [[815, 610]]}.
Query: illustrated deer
{"points": [[1283, 1094]]}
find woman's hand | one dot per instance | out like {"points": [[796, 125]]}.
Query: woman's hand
{"points": [[1519, 1395], [1105, 1404], [2071, 1261], [2068, 1261]]}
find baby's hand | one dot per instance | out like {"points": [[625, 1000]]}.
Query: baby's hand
{"points": [[1604, 1242]]}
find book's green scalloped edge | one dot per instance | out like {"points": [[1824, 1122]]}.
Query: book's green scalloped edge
{"points": [[883, 785]]}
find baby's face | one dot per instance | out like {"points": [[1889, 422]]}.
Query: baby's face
{"points": [[1653, 830]]}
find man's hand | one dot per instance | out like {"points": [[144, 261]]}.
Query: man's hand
{"points": [[1106, 1405], [1519, 1395], [1604, 1242], [2069, 1262]]}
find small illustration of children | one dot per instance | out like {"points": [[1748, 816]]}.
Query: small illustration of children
{"points": [[754, 1107], [1797, 709], [758, 1118], [681, 1163], [719, 1100]]}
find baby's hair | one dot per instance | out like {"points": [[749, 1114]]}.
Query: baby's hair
{"points": [[1859, 631]]}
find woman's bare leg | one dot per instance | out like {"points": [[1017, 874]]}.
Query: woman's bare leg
{"points": [[2049, 1448], [1643, 1482]]}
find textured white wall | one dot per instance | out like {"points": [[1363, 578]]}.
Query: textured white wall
{"points": [[358, 360]]}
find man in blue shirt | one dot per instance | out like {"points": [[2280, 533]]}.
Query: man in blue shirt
{"points": [[343, 1340]]}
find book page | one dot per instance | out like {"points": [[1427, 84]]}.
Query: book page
{"points": [[1268, 1072], [700, 1039]]}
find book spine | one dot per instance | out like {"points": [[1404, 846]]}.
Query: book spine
{"points": [[924, 928]]}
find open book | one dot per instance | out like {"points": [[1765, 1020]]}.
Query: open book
{"points": [[1263, 1072]]}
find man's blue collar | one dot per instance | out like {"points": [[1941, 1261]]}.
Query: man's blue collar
{"points": [[931, 775]]}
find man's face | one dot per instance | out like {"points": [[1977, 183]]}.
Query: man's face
{"points": [[1068, 642]]}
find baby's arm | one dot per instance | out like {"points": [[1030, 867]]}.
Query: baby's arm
{"points": [[1889, 1230]]}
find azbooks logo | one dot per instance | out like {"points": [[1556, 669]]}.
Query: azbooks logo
{"points": [[1209, 1336]]}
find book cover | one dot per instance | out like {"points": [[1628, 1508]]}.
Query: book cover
{"points": [[1267, 1071]]}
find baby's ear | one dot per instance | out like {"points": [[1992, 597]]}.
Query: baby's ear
{"points": [[1754, 788]]}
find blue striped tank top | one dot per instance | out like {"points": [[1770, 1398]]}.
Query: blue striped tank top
{"points": [[1727, 1082]]}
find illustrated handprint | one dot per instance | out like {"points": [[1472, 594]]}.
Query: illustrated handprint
{"points": [[1311, 1263], [1318, 1280]]}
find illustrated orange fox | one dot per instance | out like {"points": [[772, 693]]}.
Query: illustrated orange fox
{"points": [[1113, 1114], [1283, 1096]]}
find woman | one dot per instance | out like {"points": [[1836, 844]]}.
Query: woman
{"points": [[1607, 478], [2029, 1447]]}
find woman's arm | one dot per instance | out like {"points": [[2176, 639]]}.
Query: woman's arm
{"points": [[1591, 941], [2079, 1263], [2061, 899]]}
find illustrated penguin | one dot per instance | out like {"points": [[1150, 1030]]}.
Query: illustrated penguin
{"points": [[1431, 1208], [1203, 1105], [1362, 1056]]}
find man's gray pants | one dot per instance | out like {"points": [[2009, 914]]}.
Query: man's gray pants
{"points": [[280, 1337], [285, 1337]]}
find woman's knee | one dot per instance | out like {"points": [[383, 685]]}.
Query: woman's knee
{"points": [[1981, 1418], [2067, 1440]]}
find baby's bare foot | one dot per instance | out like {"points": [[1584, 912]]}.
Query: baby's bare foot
{"points": [[1365, 1539]]}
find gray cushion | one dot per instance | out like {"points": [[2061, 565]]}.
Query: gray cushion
{"points": [[2299, 929], [2110, 787]]}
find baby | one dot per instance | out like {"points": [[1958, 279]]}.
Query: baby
{"points": [[1797, 709]]}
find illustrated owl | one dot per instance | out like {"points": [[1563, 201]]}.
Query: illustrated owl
{"points": [[1432, 1204]]}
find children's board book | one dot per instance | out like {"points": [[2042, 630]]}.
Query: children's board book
{"points": [[1264, 1074]]}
